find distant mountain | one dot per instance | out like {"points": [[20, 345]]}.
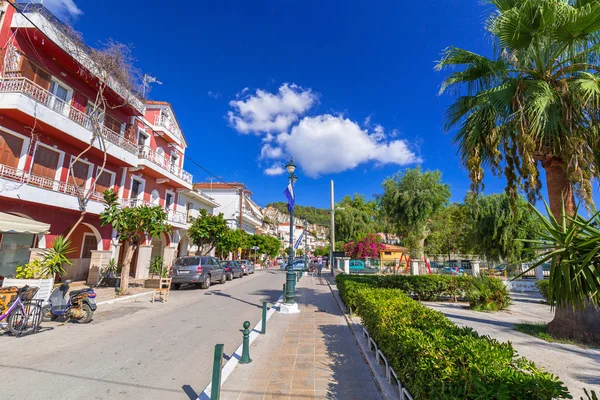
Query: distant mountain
{"points": [[317, 216]]}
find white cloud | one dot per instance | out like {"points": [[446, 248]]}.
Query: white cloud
{"points": [[275, 169], [330, 144], [378, 133], [266, 112], [214, 95], [267, 151], [63, 8]]}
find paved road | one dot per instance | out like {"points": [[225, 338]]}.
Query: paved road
{"points": [[136, 350]]}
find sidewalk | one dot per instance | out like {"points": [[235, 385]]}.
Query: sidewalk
{"points": [[309, 355]]}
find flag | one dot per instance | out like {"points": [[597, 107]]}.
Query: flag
{"points": [[299, 240], [289, 195]]}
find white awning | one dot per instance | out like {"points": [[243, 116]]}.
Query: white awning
{"points": [[12, 224]]}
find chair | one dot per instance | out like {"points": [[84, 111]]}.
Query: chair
{"points": [[162, 293]]}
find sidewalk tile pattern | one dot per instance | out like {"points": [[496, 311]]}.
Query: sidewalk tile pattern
{"points": [[309, 355]]}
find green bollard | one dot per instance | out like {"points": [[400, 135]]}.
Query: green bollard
{"points": [[264, 318], [215, 390], [246, 344]]}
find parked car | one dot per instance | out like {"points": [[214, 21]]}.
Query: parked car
{"points": [[298, 265], [247, 266], [280, 261], [357, 264], [233, 269], [201, 271]]}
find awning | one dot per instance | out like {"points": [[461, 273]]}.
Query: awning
{"points": [[12, 224]]}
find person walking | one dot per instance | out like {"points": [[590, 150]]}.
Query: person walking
{"points": [[319, 265]]}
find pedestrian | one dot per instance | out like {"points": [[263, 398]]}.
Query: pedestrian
{"points": [[319, 265]]}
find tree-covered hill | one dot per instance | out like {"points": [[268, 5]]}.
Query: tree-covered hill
{"points": [[313, 215]]}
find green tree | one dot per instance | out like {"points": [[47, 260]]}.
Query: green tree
{"points": [[131, 223], [535, 102], [229, 242], [498, 227], [448, 231], [354, 218], [207, 230], [410, 200]]}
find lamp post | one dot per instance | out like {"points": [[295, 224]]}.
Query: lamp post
{"points": [[290, 276]]}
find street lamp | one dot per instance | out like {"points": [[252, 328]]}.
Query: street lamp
{"points": [[290, 276]]}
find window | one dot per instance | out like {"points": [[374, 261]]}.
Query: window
{"points": [[168, 200], [114, 124], [36, 74], [62, 96], [136, 189], [388, 253], [45, 163], [10, 149], [105, 181], [80, 174], [142, 138], [154, 197]]}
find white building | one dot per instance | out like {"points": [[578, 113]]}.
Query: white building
{"points": [[235, 203], [192, 201]]}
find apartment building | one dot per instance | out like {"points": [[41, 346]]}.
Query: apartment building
{"points": [[235, 203], [47, 89]]}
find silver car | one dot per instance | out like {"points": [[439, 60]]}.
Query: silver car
{"points": [[247, 266], [201, 271]]}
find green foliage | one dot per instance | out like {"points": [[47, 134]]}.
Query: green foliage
{"points": [[572, 247], [268, 245], [207, 231], [157, 267], [496, 227], [448, 231], [313, 215], [410, 200], [55, 257], [488, 294], [535, 100], [544, 287], [355, 217], [540, 331], [590, 395], [436, 359], [111, 269], [31, 270]]}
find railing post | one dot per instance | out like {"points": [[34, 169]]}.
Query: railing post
{"points": [[215, 390], [264, 318], [246, 344]]}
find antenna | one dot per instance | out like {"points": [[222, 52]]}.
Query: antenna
{"points": [[213, 179], [146, 81]]}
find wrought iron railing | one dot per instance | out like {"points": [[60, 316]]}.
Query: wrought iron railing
{"points": [[44, 97], [165, 122], [164, 162], [43, 182]]}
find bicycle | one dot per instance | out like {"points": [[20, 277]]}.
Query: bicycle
{"points": [[24, 315]]}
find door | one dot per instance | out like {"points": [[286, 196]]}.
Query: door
{"points": [[45, 164], [136, 187], [89, 243], [59, 101], [168, 201], [217, 269], [103, 182], [79, 174], [10, 149]]}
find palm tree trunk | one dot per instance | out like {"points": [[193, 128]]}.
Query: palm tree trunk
{"points": [[559, 187], [581, 326]]}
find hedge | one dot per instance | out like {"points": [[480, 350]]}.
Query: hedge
{"points": [[543, 286], [434, 358]]}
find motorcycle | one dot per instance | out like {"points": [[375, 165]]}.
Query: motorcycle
{"points": [[80, 306]]}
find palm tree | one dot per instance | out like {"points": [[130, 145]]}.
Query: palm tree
{"points": [[534, 103]]}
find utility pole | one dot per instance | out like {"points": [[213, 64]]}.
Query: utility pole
{"points": [[332, 229], [305, 244]]}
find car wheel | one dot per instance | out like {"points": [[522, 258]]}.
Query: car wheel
{"points": [[223, 278], [176, 286], [241, 274], [206, 283], [230, 276]]}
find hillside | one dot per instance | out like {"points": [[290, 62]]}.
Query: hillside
{"points": [[317, 216]]}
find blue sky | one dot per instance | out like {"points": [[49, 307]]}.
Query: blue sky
{"points": [[293, 77]]}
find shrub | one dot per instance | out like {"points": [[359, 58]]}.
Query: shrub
{"points": [[544, 287], [31, 270], [436, 359], [488, 294]]}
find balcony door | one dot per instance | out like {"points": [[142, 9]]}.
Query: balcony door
{"points": [[45, 165], [105, 181], [59, 102], [10, 149], [169, 200], [80, 174]]}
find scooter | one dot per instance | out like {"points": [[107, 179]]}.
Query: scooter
{"points": [[80, 306]]}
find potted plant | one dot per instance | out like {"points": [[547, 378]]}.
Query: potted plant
{"points": [[110, 274], [158, 270]]}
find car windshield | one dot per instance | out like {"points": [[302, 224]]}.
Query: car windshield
{"points": [[187, 261]]}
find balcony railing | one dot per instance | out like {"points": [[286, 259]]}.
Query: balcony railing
{"points": [[164, 162], [43, 182], [172, 215], [44, 97], [165, 122]]}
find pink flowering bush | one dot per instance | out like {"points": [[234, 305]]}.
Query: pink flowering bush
{"points": [[367, 247]]}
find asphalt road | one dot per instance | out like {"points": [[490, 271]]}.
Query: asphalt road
{"points": [[136, 350]]}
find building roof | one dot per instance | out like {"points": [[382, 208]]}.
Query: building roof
{"points": [[159, 103], [395, 249], [222, 185]]}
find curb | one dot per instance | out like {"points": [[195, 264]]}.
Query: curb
{"points": [[120, 299], [381, 383], [237, 355]]}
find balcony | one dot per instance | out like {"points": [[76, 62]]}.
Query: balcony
{"points": [[41, 96], [165, 164], [165, 122], [251, 217], [24, 186], [176, 217]]}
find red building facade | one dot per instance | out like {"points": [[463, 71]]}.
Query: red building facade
{"points": [[46, 97]]}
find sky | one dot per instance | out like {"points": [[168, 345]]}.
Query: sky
{"points": [[348, 88]]}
